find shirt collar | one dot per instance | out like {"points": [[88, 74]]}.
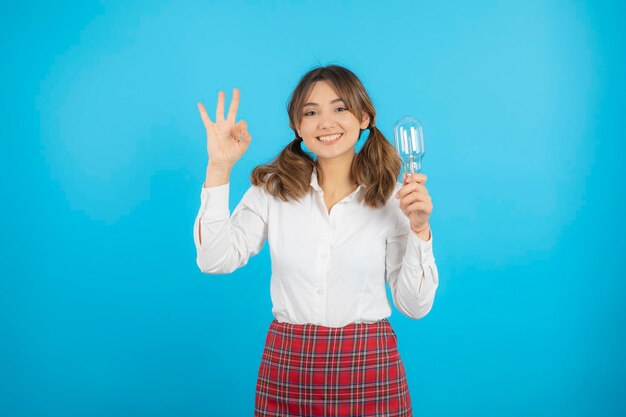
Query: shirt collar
{"points": [[317, 187], [314, 182]]}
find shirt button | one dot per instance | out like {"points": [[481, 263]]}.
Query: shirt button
{"points": [[323, 254], [320, 291]]}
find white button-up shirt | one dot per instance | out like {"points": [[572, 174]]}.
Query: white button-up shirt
{"points": [[328, 269]]}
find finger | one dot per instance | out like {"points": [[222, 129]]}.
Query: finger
{"points": [[234, 105], [246, 137], [238, 130], [410, 187], [424, 207], [205, 117], [243, 131], [219, 111], [421, 188], [420, 178], [412, 198]]}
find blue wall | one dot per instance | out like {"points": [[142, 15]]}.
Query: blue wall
{"points": [[103, 309]]}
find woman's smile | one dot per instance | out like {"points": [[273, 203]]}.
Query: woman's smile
{"points": [[330, 139]]}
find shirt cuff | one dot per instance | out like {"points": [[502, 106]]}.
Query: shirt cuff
{"points": [[418, 251], [214, 202]]}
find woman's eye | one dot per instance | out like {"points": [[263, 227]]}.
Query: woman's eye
{"points": [[313, 112]]}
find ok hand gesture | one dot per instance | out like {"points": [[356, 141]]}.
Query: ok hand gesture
{"points": [[227, 141]]}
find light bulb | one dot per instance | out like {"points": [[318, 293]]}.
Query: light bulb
{"points": [[410, 143]]}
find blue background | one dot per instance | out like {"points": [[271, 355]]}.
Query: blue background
{"points": [[103, 309]]}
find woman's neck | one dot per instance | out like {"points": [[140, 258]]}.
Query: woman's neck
{"points": [[336, 177]]}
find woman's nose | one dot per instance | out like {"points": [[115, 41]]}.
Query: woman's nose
{"points": [[327, 122]]}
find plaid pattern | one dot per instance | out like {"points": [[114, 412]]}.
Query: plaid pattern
{"points": [[310, 370]]}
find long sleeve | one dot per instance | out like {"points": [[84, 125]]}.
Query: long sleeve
{"points": [[411, 270], [227, 243]]}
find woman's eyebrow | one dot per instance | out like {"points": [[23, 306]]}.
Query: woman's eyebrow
{"points": [[315, 104]]}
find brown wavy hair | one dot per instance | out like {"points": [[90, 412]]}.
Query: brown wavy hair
{"points": [[376, 165]]}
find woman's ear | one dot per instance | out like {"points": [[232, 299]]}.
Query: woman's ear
{"points": [[365, 121]]}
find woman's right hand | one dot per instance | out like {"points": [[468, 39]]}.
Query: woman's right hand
{"points": [[227, 141]]}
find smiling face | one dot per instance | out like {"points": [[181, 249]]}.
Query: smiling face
{"points": [[328, 128]]}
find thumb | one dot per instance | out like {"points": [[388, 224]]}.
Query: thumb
{"points": [[238, 129], [242, 131]]}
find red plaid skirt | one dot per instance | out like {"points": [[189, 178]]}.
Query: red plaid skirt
{"points": [[310, 370]]}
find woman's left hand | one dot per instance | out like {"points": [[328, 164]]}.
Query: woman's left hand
{"points": [[415, 202]]}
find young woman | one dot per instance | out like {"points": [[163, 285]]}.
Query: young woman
{"points": [[339, 226]]}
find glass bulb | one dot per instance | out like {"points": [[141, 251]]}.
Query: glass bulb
{"points": [[410, 143]]}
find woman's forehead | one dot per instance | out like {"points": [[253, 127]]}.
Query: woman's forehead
{"points": [[322, 87]]}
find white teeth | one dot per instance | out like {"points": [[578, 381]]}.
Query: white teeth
{"points": [[329, 138]]}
